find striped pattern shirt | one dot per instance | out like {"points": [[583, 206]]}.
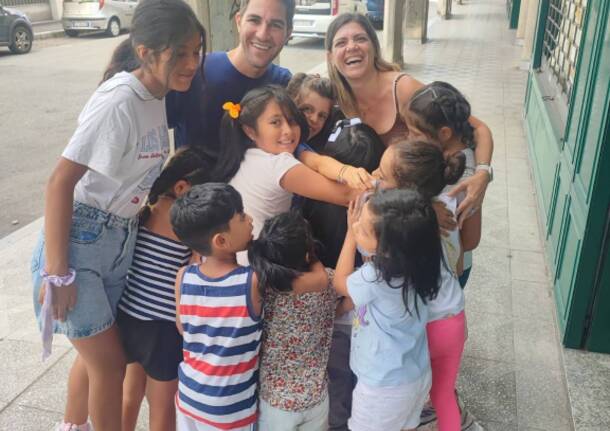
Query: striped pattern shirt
{"points": [[218, 377], [149, 294]]}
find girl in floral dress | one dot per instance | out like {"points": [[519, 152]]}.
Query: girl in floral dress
{"points": [[297, 329]]}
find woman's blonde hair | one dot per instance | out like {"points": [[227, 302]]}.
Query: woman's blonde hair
{"points": [[343, 91]]}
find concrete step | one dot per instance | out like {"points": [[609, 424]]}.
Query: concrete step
{"points": [[47, 29]]}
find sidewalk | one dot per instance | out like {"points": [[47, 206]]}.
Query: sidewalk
{"points": [[513, 376], [47, 29]]}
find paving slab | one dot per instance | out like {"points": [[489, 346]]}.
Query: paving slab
{"points": [[22, 366], [48, 392], [20, 418], [490, 336], [523, 228], [528, 266], [532, 301], [588, 377], [488, 389], [498, 426], [548, 412], [536, 345]]}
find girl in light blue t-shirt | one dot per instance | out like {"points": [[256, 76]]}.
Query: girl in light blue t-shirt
{"points": [[389, 353]]}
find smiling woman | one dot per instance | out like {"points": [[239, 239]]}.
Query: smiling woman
{"points": [[373, 89]]}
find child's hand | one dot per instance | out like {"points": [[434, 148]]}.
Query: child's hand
{"points": [[358, 178], [475, 187], [64, 300], [446, 220], [344, 305], [353, 213]]}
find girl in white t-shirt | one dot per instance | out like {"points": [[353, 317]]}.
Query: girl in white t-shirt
{"points": [[259, 138], [93, 198], [422, 166]]}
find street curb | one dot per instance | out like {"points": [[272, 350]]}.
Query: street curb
{"points": [[49, 34]]}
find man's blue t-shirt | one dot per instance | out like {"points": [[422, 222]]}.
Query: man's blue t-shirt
{"points": [[195, 114]]}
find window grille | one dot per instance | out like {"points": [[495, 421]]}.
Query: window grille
{"points": [[561, 42], [17, 3]]}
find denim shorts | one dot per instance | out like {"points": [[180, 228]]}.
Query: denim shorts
{"points": [[100, 251]]}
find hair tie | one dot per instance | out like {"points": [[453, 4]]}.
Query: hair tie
{"points": [[233, 109], [341, 124]]}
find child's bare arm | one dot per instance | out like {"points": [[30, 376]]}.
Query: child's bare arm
{"points": [[306, 182], [476, 185], [347, 257], [58, 216], [345, 304], [470, 233], [177, 284], [255, 295], [356, 178]]}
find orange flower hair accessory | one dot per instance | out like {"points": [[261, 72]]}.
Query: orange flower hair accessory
{"points": [[233, 109]]}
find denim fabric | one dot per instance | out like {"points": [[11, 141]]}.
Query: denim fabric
{"points": [[100, 251]]}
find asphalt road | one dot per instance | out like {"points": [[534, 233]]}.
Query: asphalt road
{"points": [[41, 95]]}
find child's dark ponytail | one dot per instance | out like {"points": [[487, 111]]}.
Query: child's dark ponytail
{"points": [[123, 59], [440, 104], [187, 164], [235, 143], [233, 149], [282, 252], [454, 168], [421, 165], [158, 25]]}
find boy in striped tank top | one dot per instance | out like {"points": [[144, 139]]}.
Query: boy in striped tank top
{"points": [[218, 311]]}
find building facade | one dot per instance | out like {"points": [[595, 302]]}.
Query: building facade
{"points": [[567, 124]]}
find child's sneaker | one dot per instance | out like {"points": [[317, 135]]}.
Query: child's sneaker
{"points": [[428, 414], [469, 422], [66, 426]]}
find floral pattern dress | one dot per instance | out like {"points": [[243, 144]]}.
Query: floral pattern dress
{"points": [[297, 333]]}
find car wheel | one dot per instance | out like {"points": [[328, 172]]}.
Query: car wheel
{"points": [[21, 40], [71, 33], [114, 27]]}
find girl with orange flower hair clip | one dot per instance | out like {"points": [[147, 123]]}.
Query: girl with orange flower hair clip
{"points": [[258, 158]]}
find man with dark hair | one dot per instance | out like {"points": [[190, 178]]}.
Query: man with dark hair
{"points": [[264, 26]]}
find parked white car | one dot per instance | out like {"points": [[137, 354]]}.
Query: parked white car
{"points": [[313, 17], [111, 16]]}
